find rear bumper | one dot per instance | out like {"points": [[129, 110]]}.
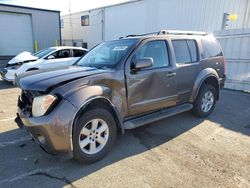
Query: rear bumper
{"points": [[53, 131]]}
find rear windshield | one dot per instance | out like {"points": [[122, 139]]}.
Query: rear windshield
{"points": [[211, 47]]}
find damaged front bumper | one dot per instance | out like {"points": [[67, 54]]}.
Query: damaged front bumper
{"points": [[53, 131]]}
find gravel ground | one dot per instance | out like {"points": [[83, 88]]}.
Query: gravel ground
{"points": [[181, 151]]}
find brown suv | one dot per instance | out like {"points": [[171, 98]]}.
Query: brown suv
{"points": [[119, 85]]}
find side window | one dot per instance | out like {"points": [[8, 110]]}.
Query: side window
{"points": [[61, 54], [79, 53], [193, 50], [155, 49], [181, 51], [211, 48]]}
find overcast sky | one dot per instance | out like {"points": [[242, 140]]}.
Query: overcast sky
{"points": [[63, 5]]}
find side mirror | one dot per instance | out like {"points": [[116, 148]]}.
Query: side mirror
{"points": [[143, 63], [51, 57]]}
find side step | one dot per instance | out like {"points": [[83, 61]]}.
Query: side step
{"points": [[146, 119]]}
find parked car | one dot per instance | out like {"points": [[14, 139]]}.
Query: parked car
{"points": [[47, 58], [120, 85]]}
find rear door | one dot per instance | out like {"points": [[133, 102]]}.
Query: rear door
{"points": [[187, 63], [151, 88]]}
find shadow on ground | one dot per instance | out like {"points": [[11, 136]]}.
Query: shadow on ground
{"points": [[6, 85]]}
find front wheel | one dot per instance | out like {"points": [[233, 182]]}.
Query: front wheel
{"points": [[93, 135], [205, 101]]}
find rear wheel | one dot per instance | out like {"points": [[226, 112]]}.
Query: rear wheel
{"points": [[205, 101], [93, 135]]}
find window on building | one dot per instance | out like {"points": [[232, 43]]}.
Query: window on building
{"points": [[79, 53], [62, 23], [85, 20], [155, 49], [211, 48]]}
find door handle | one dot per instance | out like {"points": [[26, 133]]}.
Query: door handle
{"points": [[170, 74]]}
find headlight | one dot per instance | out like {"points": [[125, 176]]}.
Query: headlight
{"points": [[14, 66], [41, 104]]}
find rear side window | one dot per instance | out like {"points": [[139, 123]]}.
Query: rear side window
{"points": [[185, 51], [155, 49], [193, 50], [79, 53], [61, 54], [211, 48]]}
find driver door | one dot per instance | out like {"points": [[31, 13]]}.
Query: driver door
{"points": [[152, 88]]}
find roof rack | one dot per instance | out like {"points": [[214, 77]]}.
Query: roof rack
{"points": [[178, 32], [169, 32]]}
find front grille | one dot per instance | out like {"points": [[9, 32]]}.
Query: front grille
{"points": [[25, 102]]}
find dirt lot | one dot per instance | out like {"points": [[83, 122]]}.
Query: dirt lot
{"points": [[180, 151]]}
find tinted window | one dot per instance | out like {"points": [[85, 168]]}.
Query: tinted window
{"points": [[78, 53], [193, 50], [211, 48], [181, 51], [62, 54], [156, 50]]}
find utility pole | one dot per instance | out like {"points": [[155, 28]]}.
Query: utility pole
{"points": [[71, 25]]}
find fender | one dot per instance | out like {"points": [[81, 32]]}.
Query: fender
{"points": [[89, 94], [202, 76]]}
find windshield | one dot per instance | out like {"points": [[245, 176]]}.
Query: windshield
{"points": [[107, 54], [43, 52]]}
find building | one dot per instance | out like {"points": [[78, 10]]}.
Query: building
{"points": [[88, 28], [143, 16], [27, 29]]}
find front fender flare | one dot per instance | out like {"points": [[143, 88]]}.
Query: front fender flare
{"points": [[88, 95]]}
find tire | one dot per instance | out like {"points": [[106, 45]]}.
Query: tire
{"points": [[103, 141], [202, 107]]}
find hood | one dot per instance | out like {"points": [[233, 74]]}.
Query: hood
{"points": [[24, 56], [44, 80]]}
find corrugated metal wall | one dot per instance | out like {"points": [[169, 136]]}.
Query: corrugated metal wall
{"points": [[153, 15], [236, 47], [45, 24]]}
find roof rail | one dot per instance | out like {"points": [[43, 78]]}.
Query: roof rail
{"points": [[144, 34], [168, 32], [178, 32]]}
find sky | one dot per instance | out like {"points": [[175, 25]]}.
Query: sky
{"points": [[63, 5]]}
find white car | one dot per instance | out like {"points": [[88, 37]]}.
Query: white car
{"points": [[47, 58]]}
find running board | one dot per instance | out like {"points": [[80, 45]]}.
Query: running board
{"points": [[164, 113]]}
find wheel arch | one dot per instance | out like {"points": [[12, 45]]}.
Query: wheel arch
{"points": [[92, 103], [206, 76]]}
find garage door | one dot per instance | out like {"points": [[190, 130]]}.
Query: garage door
{"points": [[15, 33]]}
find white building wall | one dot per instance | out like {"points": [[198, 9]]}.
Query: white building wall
{"points": [[153, 15], [72, 29]]}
